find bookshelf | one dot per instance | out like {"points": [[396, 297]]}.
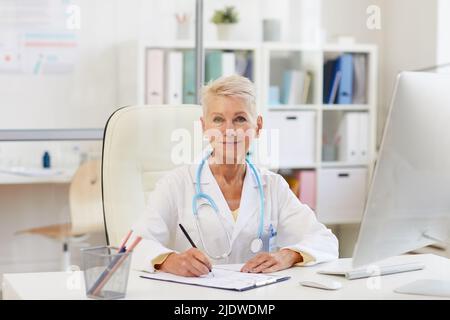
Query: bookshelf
{"points": [[270, 60]]}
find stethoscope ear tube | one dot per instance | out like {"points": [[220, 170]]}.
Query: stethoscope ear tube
{"points": [[257, 243]]}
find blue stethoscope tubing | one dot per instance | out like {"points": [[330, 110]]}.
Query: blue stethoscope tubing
{"points": [[257, 243]]}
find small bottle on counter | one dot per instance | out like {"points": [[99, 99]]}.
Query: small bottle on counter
{"points": [[46, 163]]}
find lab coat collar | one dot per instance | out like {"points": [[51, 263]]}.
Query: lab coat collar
{"points": [[207, 177]]}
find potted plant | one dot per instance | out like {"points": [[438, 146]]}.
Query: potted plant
{"points": [[225, 20]]}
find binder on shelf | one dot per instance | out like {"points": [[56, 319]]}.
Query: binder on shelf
{"points": [[345, 79], [295, 87], [334, 87], [286, 86], [244, 64], [345, 65], [328, 77], [306, 88], [228, 63], [363, 148], [353, 137], [189, 77], [348, 137], [307, 187], [248, 73], [174, 83], [155, 76], [274, 95], [359, 79], [213, 65]]}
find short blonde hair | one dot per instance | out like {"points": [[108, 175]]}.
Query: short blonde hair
{"points": [[234, 86]]}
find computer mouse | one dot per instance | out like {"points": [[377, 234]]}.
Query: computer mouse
{"points": [[322, 284]]}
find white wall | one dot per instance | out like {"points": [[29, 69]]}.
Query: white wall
{"points": [[406, 39], [443, 32]]}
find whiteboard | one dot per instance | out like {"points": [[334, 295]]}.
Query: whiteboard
{"points": [[58, 63]]}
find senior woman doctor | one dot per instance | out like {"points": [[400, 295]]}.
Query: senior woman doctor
{"points": [[234, 212]]}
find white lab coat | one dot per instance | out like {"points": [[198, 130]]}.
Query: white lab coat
{"points": [[170, 203]]}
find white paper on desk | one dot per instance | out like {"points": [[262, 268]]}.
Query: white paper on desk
{"points": [[231, 267], [222, 279]]}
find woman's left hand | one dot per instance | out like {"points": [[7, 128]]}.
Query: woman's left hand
{"points": [[270, 262]]}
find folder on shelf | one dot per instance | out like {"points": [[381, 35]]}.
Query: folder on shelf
{"points": [[345, 65], [155, 76], [329, 70], [249, 69], [363, 134], [307, 191], [306, 88], [189, 77], [174, 83], [334, 87], [228, 63], [286, 86], [293, 87], [213, 65], [348, 137], [359, 79]]}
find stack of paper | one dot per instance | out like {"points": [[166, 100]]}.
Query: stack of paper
{"points": [[220, 278]]}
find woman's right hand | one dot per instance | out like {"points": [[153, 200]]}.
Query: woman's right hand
{"points": [[190, 263]]}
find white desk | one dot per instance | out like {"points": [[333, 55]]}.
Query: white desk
{"points": [[60, 285], [9, 178]]}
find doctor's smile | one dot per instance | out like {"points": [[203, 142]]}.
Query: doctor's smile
{"points": [[231, 211]]}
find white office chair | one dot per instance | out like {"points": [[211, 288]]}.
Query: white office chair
{"points": [[137, 150], [86, 210]]}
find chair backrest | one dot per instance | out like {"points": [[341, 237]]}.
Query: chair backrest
{"points": [[138, 148], [85, 199]]}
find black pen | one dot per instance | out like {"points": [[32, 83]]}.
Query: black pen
{"points": [[190, 240]]}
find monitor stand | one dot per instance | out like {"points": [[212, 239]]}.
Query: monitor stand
{"points": [[427, 287]]}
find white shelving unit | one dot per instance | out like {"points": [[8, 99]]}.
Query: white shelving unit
{"points": [[267, 68], [132, 64]]}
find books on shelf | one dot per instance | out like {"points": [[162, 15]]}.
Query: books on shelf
{"points": [[170, 74], [295, 87], [345, 79], [353, 137]]}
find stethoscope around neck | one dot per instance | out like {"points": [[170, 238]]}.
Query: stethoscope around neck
{"points": [[256, 244]]}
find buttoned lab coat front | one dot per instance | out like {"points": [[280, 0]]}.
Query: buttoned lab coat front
{"points": [[170, 203]]}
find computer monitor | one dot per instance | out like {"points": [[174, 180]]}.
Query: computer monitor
{"points": [[408, 204]]}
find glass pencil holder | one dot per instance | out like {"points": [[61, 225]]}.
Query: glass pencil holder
{"points": [[106, 272]]}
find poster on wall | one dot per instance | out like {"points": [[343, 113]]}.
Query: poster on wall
{"points": [[38, 36]]}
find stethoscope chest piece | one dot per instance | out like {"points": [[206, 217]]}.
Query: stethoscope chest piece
{"points": [[256, 245]]}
